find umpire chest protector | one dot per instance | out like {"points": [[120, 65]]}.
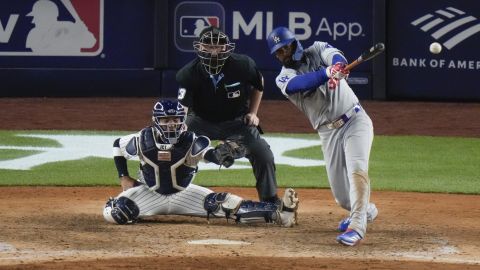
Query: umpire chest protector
{"points": [[164, 166], [224, 96]]}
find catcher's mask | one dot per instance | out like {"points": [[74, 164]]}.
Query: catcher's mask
{"points": [[169, 120], [213, 48]]}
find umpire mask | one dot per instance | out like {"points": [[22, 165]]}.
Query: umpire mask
{"points": [[213, 48]]}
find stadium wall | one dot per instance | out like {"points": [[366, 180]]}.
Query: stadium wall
{"points": [[141, 44]]}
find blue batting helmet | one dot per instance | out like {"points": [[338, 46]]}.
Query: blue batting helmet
{"points": [[169, 131], [280, 37]]}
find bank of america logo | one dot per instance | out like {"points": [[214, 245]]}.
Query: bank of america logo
{"points": [[446, 22]]}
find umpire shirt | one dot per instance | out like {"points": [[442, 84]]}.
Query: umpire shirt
{"points": [[224, 96]]}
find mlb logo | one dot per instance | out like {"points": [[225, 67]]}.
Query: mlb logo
{"points": [[191, 18], [51, 28], [192, 26]]}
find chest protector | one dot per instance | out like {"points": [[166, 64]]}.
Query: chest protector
{"points": [[165, 169]]}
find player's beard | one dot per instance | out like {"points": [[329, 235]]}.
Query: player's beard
{"points": [[290, 63]]}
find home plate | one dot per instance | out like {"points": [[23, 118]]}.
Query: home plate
{"points": [[217, 242]]}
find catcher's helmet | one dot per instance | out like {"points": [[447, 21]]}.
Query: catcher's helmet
{"points": [[213, 48], [280, 37], [169, 120]]}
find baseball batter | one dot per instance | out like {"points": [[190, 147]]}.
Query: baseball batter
{"points": [[314, 80], [168, 163]]}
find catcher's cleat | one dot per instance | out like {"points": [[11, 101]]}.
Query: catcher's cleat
{"points": [[349, 238], [287, 216], [372, 213]]}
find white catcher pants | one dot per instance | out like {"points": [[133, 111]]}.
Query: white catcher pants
{"points": [[188, 202]]}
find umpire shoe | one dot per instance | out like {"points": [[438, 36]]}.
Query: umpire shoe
{"points": [[287, 216], [372, 213], [349, 238]]}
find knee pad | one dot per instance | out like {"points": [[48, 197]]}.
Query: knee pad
{"points": [[227, 202], [120, 210]]}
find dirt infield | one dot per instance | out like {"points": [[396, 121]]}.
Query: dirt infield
{"points": [[62, 227]]}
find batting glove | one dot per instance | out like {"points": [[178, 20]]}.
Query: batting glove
{"points": [[337, 71]]}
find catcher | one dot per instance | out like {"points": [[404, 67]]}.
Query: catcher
{"points": [[168, 163]]}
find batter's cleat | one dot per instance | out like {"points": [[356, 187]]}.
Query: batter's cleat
{"points": [[372, 213], [343, 225], [287, 216], [349, 238]]}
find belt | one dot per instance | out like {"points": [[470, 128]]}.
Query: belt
{"points": [[343, 119]]}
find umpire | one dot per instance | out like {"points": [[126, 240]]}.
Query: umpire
{"points": [[223, 91]]}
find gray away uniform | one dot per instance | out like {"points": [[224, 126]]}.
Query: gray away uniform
{"points": [[346, 149]]}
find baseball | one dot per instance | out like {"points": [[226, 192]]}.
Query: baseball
{"points": [[435, 48]]}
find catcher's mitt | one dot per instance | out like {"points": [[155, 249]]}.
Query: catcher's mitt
{"points": [[228, 151]]}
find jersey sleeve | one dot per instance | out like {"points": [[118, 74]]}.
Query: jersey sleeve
{"points": [[327, 52], [283, 78], [124, 148], [255, 77]]}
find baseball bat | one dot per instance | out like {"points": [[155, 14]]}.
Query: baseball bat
{"points": [[367, 55], [69, 6]]}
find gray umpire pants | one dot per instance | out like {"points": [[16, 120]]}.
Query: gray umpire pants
{"points": [[258, 150]]}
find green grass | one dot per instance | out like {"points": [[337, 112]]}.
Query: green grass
{"points": [[430, 164], [421, 163], [6, 154], [10, 138], [399, 163], [287, 176], [83, 172]]}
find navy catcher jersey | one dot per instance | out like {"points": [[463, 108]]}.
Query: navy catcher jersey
{"points": [[165, 168]]}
